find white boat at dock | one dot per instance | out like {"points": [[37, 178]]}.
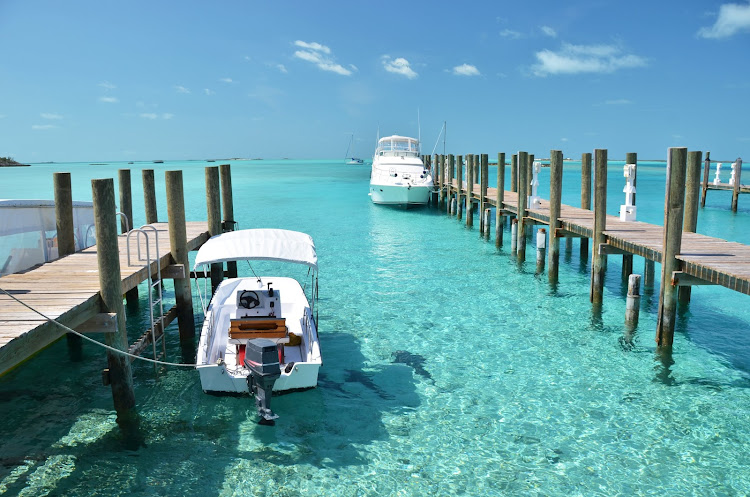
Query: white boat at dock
{"points": [[268, 316], [398, 175]]}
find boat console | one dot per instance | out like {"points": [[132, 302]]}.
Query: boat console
{"points": [[258, 303]]}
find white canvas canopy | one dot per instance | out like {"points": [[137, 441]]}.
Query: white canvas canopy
{"points": [[259, 244]]}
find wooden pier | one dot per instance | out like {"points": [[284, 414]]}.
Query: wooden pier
{"points": [[84, 290], [691, 258], [67, 290]]}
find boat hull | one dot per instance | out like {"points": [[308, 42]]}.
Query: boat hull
{"points": [[400, 195]]}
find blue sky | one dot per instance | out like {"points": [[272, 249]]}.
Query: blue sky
{"points": [[139, 80]]}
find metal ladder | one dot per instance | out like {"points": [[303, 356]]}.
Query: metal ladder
{"points": [[152, 283]]}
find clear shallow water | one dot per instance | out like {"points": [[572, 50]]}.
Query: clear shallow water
{"points": [[514, 387]]}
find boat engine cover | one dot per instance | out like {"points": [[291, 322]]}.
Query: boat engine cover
{"points": [[262, 357]]}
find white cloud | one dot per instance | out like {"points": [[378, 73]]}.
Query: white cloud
{"points": [[574, 59], [509, 33], [320, 55], [43, 126], [619, 101], [549, 31], [209, 92], [153, 115], [109, 100], [226, 80], [316, 47], [465, 70], [398, 66], [281, 68], [733, 18], [107, 85], [49, 115], [181, 89]]}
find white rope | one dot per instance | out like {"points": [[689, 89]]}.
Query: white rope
{"points": [[118, 351]]}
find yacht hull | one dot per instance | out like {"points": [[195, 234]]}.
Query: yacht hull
{"points": [[402, 195]]}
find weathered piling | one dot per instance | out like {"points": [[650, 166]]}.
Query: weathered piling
{"points": [[149, 196], [555, 203], [736, 185], [585, 197], [484, 168], [627, 259], [514, 173], [648, 274], [178, 248], [449, 184], [227, 203], [672, 241], [213, 207], [126, 207], [486, 223], [470, 159], [541, 242], [706, 171], [514, 236], [499, 198], [633, 302], [66, 244], [459, 186], [119, 374], [600, 224], [522, 192], [690, 221]]}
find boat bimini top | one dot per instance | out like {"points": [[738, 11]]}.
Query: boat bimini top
{"points": [[260, 245]]}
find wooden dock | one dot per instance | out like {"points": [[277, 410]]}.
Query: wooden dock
{"points": [[708, 260], [67, 290]]}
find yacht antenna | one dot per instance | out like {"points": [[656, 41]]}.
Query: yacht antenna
{"points": [[419, 133], [445, 133], [438, 140]]}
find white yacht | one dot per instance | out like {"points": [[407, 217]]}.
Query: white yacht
{"points": [[398, 175], [259, 335]]}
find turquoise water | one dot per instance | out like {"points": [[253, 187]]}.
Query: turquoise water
{"points": [[448, 368]]}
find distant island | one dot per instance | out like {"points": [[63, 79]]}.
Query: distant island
{"points": [[9, 162]]}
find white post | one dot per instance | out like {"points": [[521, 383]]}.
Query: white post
{"points": [[628, 211], [534, 200], [718, 172], [514, 236], [734, 174]]}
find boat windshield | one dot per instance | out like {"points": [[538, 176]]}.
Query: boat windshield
{"points": [[399, 146]]}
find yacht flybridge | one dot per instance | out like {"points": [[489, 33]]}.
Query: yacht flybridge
{"points": [[398, 175], [259, 334]]}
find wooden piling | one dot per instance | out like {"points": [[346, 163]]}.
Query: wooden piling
{"points": [[449, 183], [648, 275], [523, 158], [108, 262], [470, 159], [541, 241], [514, 173], [692, 198], [149, 196], [228, 221], [126, 207], [706, 171], [484, 168], [632, 304], [66, 244], [585, 197], [178, 248], [600, 224], [459, 182], [499, 198], [487, 223], [736, 186], [514, 236], [555, 202], [213, 207], [672, 241]]}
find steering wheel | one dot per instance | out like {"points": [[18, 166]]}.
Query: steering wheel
{"points": [[249, 299]]}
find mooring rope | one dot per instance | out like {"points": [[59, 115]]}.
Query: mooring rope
{"points": [[118, 351]]}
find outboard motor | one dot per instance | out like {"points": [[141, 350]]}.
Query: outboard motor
{"points": [[262, 359]]}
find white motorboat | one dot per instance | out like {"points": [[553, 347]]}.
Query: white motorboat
{"points": [[398, 175], [259, 334]]}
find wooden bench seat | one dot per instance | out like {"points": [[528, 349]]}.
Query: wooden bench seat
{"points": [[249, 328]]}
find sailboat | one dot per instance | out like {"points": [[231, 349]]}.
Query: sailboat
{"points": [[350, 159]]}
